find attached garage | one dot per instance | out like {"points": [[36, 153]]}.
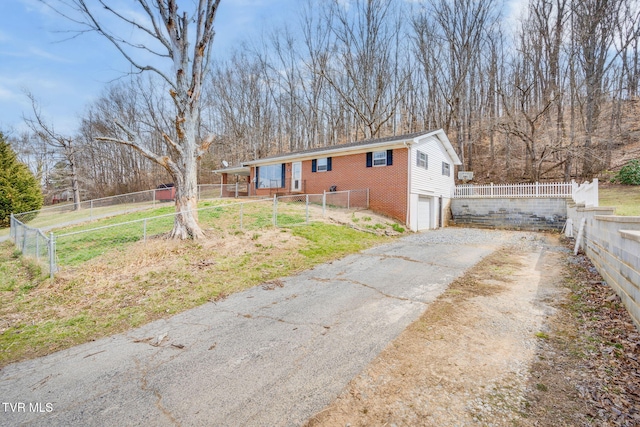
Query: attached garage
{"points": [[431, 165]]}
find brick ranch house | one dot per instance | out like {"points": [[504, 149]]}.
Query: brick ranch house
{"points": [[410, 177]]}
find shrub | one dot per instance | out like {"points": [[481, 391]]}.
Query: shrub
{"points": [[19, 189], [629, 174]]}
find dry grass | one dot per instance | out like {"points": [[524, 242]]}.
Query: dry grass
{"points": [[625, 198], [129, 285]]}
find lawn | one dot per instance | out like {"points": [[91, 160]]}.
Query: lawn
{"points": [[625, 198], [109, 283]]}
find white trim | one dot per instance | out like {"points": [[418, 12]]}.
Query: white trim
{"points": [[295, 188], [365, 148]]}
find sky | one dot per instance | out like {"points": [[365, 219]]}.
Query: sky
{"points": [[64, 74]]}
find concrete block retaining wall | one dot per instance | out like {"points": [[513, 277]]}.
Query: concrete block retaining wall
{"points": [[512, 213], [613, 245]]}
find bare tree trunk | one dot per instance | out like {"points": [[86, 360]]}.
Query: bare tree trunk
{"points": [[189, 55]]}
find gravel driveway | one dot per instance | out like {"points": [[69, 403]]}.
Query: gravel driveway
{"points": [[273, 355]]}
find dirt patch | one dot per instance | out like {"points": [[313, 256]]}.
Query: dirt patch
{"points": [[497, 348]]}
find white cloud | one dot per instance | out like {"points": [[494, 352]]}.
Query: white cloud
{"points": [[35, 51], [6, 94]]}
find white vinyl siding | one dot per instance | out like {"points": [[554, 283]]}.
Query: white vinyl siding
{"points": [[428, 185], [430, 181]]}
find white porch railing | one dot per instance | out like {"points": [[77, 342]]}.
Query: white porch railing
{"points": [[586, 193]]}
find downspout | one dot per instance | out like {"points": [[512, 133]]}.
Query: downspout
{"points": [[408, 216]]}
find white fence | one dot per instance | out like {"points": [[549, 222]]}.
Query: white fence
{"points": [[586, 193], [552, 189]]}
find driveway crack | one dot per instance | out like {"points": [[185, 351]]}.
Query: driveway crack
{"points": [[386, 295], [277, 319], [144, 386], [409, 259]]}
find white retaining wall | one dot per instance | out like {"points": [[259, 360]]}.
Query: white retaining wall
{"points": [[613, 245]]}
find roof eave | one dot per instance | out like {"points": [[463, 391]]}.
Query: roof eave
{"points": [[235, 170], [329, 151]]}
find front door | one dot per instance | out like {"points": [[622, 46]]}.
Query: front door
{"points": [[296, 176]]}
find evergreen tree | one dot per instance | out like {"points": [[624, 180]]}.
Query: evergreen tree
{"points": [[19, 189]]}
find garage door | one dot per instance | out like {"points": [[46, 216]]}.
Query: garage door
{"points": [[424, 213]]}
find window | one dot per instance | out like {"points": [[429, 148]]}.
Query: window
{"points": [[422, 161], [271, 176], [321, 165], [380, 158], [446, 169]]}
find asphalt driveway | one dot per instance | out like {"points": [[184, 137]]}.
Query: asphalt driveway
{"points": [[270, 356]]}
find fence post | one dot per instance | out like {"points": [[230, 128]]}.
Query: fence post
{"points": [[37, 246], [154, 198], [537, 189], [91, 210], [144, 230], [221, 185], [307, 209], [24, 239], [199, 189], [236, 190], [275, 210], [324, 202], [52, 255], [492, 189]]}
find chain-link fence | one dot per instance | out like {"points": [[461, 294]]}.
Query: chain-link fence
{"points": [[33, 243], [214, 191], [90, 210], [304, 208], [76, 244], [349, 199]]}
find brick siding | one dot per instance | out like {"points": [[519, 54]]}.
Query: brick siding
{"points": [[387, 184]]}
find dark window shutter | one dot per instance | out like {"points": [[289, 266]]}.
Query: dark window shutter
{"points": [[284, 170], [314, 165], [257, 175], [328, 164], [389, 157], [369, 159]]}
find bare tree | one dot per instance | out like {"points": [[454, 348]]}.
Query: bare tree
{"points": [[141, 105], [365, 70], [595, 24], [65, 145], [450, 37], [170, 38]]}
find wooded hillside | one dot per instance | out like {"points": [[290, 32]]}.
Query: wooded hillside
{"points": [[552, 95]]}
